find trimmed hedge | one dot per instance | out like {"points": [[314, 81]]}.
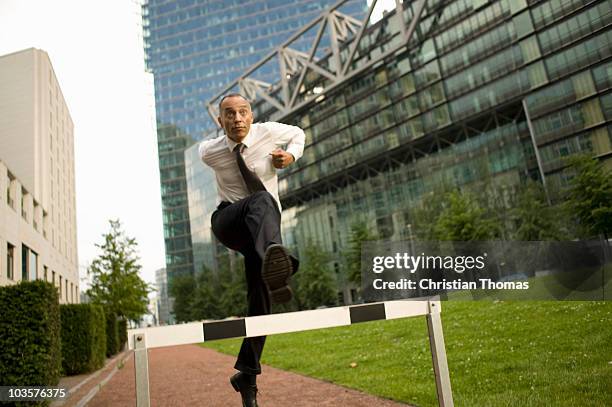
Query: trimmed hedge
{"points": [[30, 352], [83, 338], [123, 335], [112, 334]]}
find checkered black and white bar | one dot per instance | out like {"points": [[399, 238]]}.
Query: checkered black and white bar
{"points": [[195, 332]]}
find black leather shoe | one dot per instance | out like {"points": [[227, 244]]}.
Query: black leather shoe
{"points": [[275, 272], [247, 391]]}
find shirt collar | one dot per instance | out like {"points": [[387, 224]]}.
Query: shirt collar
{"points": [[247, 141]]}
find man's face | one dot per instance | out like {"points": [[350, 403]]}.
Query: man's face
{"points": [[236, 118]]}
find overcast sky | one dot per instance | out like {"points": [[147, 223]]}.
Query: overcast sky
{"points": [[97, 56]]}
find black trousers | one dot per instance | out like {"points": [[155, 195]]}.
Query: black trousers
{"points": [[249, 226]]}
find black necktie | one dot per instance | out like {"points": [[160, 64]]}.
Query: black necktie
{"points": [[251, 179]]}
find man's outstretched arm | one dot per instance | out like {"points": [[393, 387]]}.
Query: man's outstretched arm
{"points": [[285, 134]]}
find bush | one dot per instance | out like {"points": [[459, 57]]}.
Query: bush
{"points": [[83, 338], [112, 334], [30, 352], [123, 335]]}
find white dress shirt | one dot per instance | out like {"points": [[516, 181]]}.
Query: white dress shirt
{"points": [[262, 139]]}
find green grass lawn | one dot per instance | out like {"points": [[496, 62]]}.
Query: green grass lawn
{"points": [[500, 354]]}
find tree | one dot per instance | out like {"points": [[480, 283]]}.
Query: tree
{"points": [[359, 233], [426, 215], [204, 297], [464, 220], [116, 284], [315, 283], [589, 197], [534, 218], [232, 290], [210, 295], [183, 289]]}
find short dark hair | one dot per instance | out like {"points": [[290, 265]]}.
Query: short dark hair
{"points": [[231, 95]]}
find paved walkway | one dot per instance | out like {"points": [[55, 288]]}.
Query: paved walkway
{"points": [[81, 388], [190, 375]]}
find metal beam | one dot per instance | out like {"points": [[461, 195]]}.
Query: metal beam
{"points": [[335, 47], [313, 49], [415, 20], [318, 69], [357, 39], [284, 80], [213, 111], [250, 86], [399, 14], [536, 150]]}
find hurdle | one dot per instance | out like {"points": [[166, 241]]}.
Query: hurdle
{"points": [[142, 339]]}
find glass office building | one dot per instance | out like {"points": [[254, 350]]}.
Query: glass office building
{"points": [[486, 95], [202, 201], [194, 48]]}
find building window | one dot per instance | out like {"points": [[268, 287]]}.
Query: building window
{"points": [[24, 262], [60, 287], [66, 290], [45, 223], [29, 264], [34, 216], [10, 198], [24, 212], [33, 266], [46, 272], [522, 24], [10, 261], [517, 5]]}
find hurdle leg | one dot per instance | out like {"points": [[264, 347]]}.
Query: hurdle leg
{"points": [[141, 370], [438, 355]]}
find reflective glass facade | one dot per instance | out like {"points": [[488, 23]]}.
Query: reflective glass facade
{"points": [[202, 203], [194, 48], [450, 111]]}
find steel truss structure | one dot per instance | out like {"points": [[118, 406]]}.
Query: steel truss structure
{"points": [[343, 31], [346, 35], [350, 42]]}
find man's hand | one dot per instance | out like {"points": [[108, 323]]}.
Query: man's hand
{"points": [[281, 159]]}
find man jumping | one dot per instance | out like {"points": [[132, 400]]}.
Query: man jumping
{"points": [[248, 217]]}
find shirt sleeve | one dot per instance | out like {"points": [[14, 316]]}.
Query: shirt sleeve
{"points": [[202, 150], [285, 134]]}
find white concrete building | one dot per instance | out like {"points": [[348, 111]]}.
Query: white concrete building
{"points": [[37, 186]]}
